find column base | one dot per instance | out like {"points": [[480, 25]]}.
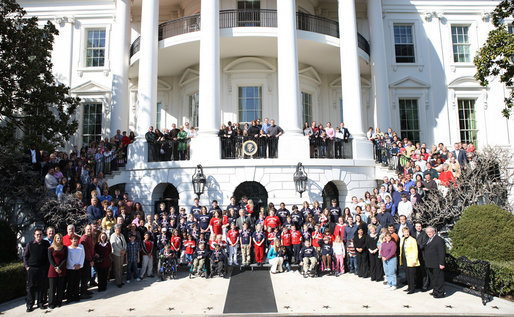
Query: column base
{"points": [[206, 147], [362, 149], [293, 146], [137, 153]]}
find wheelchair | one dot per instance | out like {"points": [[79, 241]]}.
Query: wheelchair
{"points": [[203, 270], [314, 273], [167, 267]]}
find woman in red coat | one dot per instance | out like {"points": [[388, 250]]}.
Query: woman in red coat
{"points": [[102, 260], [57, 255]]}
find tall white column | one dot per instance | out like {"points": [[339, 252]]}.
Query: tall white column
{"points": [[206, 145], [147, 86], [288, 84], [120, 66], [379, 80], [350, 79]]}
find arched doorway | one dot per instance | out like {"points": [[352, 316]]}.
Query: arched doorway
{"points": [[254, 191], [165, 193], [330, 192]]}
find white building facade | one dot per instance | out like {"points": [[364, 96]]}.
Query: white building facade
{"points": [[370, 63]]}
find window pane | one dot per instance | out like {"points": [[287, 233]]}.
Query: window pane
{"points": [[92, 122], [460, 40], [409, 120], [95, 49], [404, 43], [250, 103], [467, 120]]}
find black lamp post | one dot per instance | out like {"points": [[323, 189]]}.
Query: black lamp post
{"points": [[300, 179], [199, 181]]}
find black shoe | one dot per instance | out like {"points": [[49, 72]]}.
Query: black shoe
{"points": [[119, 285], [93, 283], [51, 306], [431, 293], [85, 296], [411, 292], [30, 309], [41, 307]]}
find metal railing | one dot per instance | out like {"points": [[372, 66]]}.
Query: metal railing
{"points": [[237, 148], [250, 18], [330, 148]]}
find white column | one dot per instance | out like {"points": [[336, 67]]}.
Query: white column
{"points": [[120, 66], [350, 79], [379, 80], [207, 145], [147, 86], [289, 113]]}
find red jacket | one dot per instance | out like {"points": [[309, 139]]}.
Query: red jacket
{"points": [[175, 243], [315, 238], [272, 222], [339, 230], [89, 247], [285, 238], [296, 237]]}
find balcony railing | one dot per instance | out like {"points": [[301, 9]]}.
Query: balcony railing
{"points": [[238, 147], [330, 148], [250, 18]]}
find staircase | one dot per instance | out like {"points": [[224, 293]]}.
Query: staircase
{"points": [[381, 171], [116, 177]]}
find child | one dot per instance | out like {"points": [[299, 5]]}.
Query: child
{"points": [[246, 243], [217, 261], [259, 238], [296, 239], [182, 225], [199, 257], [132, 259], [285, 238], [283, 253], [316, 235], [176, 241], [352, 258], [232, 241], [288, 223], [338, 248], [306, 233], [190, 245], [270, 236], [147, 254]]}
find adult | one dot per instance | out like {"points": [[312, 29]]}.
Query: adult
{"points": [[375, 264], [70, 229], [274, 259], [409, 259], [446, 177], [50, 234], [432, 171], [57, 256], [434, 253], [359, 241], [74, 264], [383, 217], [274, 132], [119, 247], [153, 145], [94, 211], [460, 154], [421, 237], [404, 223], [349, 231], [89, 251], [102, 261], [405, 207], [51, 182], [429, 184], [35, 260], [388, 255]]}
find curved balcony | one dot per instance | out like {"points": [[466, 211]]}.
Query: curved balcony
{"points": [[250, 18]]}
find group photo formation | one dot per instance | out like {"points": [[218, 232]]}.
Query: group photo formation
{"points": [[256, 157]]}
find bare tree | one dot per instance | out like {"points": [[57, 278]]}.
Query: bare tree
{"points": [[487, 179], [60, 214]]}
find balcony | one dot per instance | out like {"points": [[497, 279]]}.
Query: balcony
{"points": [[250, 18]]}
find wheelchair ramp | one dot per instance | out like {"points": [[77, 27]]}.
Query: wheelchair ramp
{"points": [[250, 292]]}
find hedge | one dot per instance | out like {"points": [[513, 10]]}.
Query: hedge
{"points": [[484, 232], [12, 281], [501, 280]]}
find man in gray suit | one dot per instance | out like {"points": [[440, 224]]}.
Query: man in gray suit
{"points": [[242, 219]]}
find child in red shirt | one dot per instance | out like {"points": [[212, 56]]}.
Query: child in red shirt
{"points": [[296, 239], [233, 242], [190, 245]]}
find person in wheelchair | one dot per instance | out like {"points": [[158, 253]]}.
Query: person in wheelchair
{"points": [[218, 259], [200, 258], [167, 262], [308, 259]]}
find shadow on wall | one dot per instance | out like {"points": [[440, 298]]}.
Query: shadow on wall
{"points": [[424, 80], [214, 191]]}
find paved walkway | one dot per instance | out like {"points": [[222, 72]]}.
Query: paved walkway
{"points": [[294, 295]]}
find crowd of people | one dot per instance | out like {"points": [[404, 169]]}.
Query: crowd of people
{"points": [[170, 144], [327, 142], [265, 135], [82, 170], [377, 236]]}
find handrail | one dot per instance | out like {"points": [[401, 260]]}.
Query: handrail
{"points": [[251, 18]]}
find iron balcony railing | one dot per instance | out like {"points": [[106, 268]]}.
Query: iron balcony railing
{"points": [[250, 18]]}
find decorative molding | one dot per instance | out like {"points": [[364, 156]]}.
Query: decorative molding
{"points": [[409, 82], [249, 64], [465, 82], [163, 86], [486, 16], [311, 74], [189, 76], [90, 87]]}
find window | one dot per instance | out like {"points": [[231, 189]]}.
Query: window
{"points": [[307, 107], [193, 109], [467, 120], [250, 103], [511, 29], [404, 43], [95, 49], [409, 120], [92, 123], [460, 40], [159, 116], [249, 13]]}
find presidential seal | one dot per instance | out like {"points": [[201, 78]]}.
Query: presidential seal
{"points": [[249, 147]]}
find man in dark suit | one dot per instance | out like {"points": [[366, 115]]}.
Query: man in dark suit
{"points": [[434, 253], [460, 154], [421, 237]]}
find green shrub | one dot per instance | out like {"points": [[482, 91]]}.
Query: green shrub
{"points": [[8, 252], [12, 281], [501, 281], [485, 233]]}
